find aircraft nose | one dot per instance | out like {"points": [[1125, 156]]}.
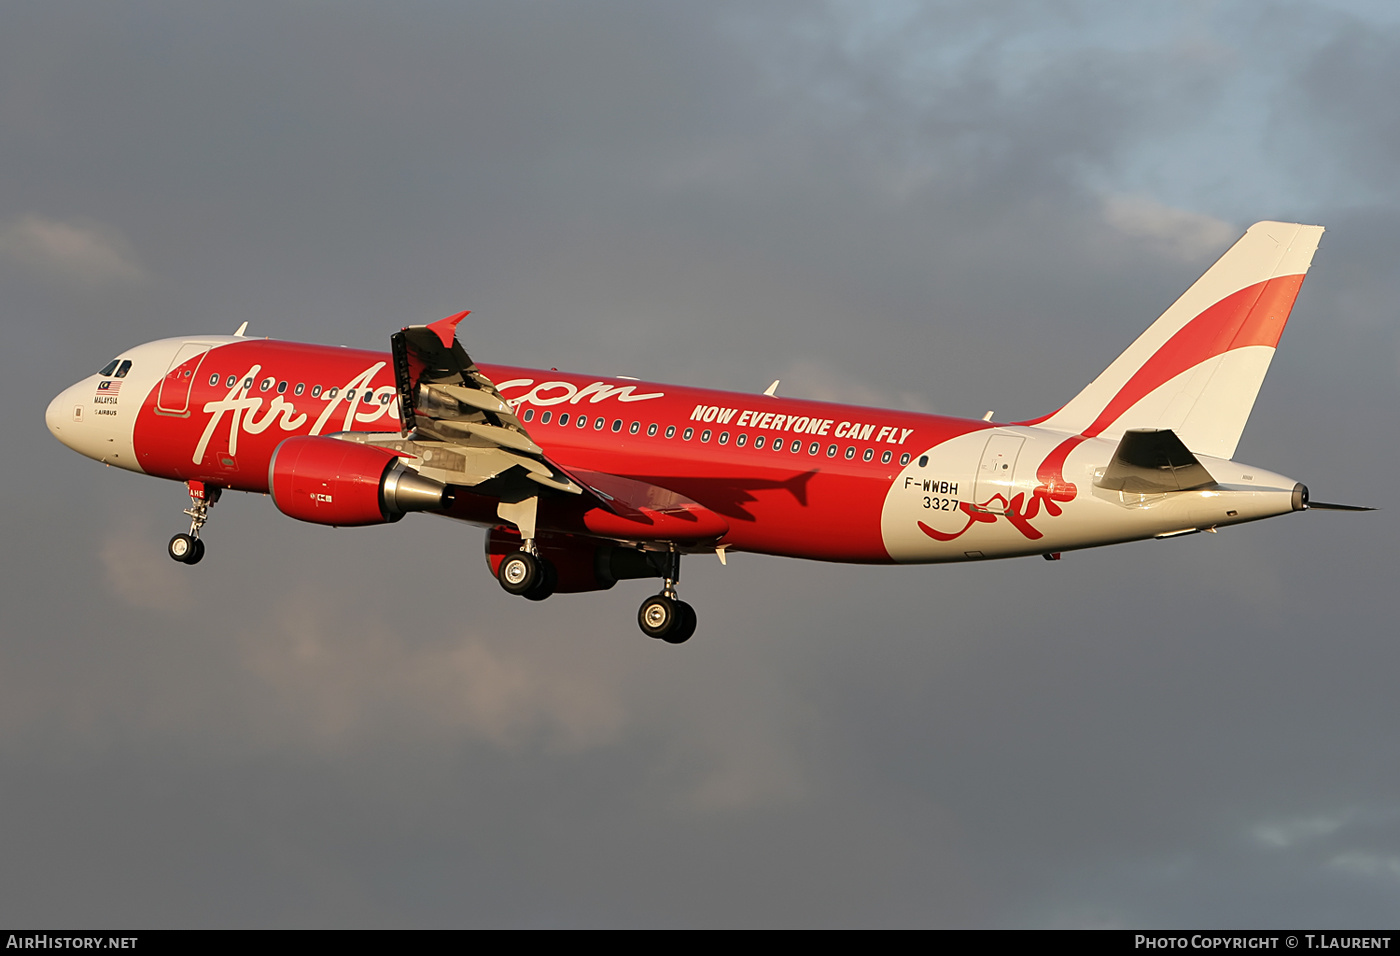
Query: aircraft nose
{"points": [[62, 415]]}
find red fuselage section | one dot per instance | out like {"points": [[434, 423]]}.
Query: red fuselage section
{"points": [[799, 478]]}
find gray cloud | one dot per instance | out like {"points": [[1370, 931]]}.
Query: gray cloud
{"points": [[87, 253]]}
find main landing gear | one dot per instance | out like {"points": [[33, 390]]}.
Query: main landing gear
{"points": [[188, 548], [527, 574], [665, 615]]}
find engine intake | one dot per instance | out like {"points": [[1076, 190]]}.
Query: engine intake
{"points": [[333, 482]]}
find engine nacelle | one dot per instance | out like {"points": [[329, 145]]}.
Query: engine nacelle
{"points": [[330, 481], [582, 564]]}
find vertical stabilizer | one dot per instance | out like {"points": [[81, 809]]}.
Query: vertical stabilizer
{"points": [[1198, 368]]}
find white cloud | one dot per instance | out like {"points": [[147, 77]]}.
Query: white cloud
{"points": [[1179, 233], [823, 381], [335, 680], [1367, 864], [1287, 833], [87, 252], [139, 575]]}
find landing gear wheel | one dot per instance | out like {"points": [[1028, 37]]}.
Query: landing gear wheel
{"points": [[684, 627], [520, 573], [183, 548], [657, 616], [549, 580], [666, 618], [197, 554]]}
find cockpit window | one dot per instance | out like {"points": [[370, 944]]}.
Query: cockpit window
{"points": [[109, 368], [124, 368]]}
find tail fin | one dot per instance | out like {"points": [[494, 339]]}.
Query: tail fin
{"points": [[1198, 368]]}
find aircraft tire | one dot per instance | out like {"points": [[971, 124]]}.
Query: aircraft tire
{"points": [[662, 617], [520, 572], [549, 580], [181, 547], [685, 627], [196, 555]]}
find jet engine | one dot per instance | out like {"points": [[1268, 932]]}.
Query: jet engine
{"points": [[330, 481]]}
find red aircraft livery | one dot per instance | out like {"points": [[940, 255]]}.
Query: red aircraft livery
{"points": [[582, 481]]}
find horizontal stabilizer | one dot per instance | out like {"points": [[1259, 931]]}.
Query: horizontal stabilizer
{"points": [[1151, 461], [1324, 506]]}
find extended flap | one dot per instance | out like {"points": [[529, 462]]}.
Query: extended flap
{"points": [[444, 397]]}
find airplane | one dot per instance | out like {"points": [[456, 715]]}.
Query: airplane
{"points": [[581, 481]]}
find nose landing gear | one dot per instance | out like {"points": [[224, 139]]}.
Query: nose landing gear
{"points": [[188, 548]]}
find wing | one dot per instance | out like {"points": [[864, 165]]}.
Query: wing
{"points": [[456, 422], [458, 417]]}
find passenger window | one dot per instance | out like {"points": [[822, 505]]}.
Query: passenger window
{"points": [[724, 438], [582, 421], [687, 434], [777, 443], [869, 454], [816, 447], [331, 393], [563, 418], [831, 451], [214, 379], [228, 383], [281, 388], [742, 440], [598, 425], [670, 431], [529, 415], [544, 419], [758, 442], [266, 384], [301, 387], [923, 461], [248, 382], [705, 435], [651, 430], [349, 394], [885, 458], [904, 458], [850, 452], [315, 391], [617, 425], [636, 427], [123, 368]]}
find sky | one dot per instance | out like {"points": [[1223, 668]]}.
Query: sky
{"points": [[946, 207]]}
